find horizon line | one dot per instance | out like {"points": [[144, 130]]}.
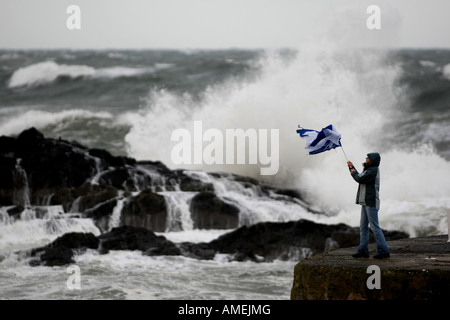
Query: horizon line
{"points": [[227, 48]]}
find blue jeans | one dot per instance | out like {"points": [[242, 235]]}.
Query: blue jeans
{"points": [[369, 215]]}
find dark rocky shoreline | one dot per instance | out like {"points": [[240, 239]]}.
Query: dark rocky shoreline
{"points": [[262, 242], [38, 172]]}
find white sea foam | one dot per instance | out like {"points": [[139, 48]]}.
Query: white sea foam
{"points": [[180, 277], [426, 63], [48, 71], [253, 205], [446, 71], [33, 232], [117, 72], [356, 90], [41, 119], [194, 236]]}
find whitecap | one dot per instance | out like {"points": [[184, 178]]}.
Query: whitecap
{"points": [[47, 72], [41, 119], [446, 71]]}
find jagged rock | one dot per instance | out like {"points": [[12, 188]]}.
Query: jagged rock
{"points": [[108, 160], [77, 240], [52, 164], [200, 251], [90, 195], [61, 251], [187, 183], [288, 240], [135, 238], [264, 241], [58, 172], [162, 250], [15, 211], [56, 256], [7, 167], [210, 212], [78, 199], [101, 213], [147, 210], [124, 178]]}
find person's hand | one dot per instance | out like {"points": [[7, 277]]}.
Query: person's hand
{"points": [[350, 166]]}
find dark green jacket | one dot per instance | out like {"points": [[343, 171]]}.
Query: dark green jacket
{"points": [[369, 182]]}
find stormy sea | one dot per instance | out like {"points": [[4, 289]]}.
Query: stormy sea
{"points": [[118, 109]]}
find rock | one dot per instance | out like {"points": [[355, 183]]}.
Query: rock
{"points": [[186, 183], [56, 256], [108, 160], [147, 210], [30, 136], [53, 164], [124, 178], [101, 214], [7, 167], [77, 240], [135, 238], [418, 269], [78, 199], [40, 171], [88, 196], [200, 251], [264, 241], [210, 212], [7, 145], [288, 240], [15, 211], [61, 251], [162, 250]]}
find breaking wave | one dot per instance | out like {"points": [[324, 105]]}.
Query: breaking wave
{"points": [[43, 73]]}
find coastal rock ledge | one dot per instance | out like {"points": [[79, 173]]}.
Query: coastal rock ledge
{"points": [[418, 269]]}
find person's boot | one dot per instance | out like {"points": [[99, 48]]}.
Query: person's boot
{"points": [[360, 255], [381, 256]]}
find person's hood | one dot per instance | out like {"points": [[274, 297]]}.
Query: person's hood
{"points": [[374, 158]]}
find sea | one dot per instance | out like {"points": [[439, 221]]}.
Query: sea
{"points": [[130, 102]]}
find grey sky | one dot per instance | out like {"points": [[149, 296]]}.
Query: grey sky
{"points": [[221, 23]]}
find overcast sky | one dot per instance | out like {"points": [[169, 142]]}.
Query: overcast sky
{"points": [[222, 23]]}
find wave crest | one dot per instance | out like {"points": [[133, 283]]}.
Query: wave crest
{"points": [[47, 72]]}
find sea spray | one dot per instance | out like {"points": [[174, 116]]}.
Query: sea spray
{"points": [[315, 88], [253, 203], [358, 90]]}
